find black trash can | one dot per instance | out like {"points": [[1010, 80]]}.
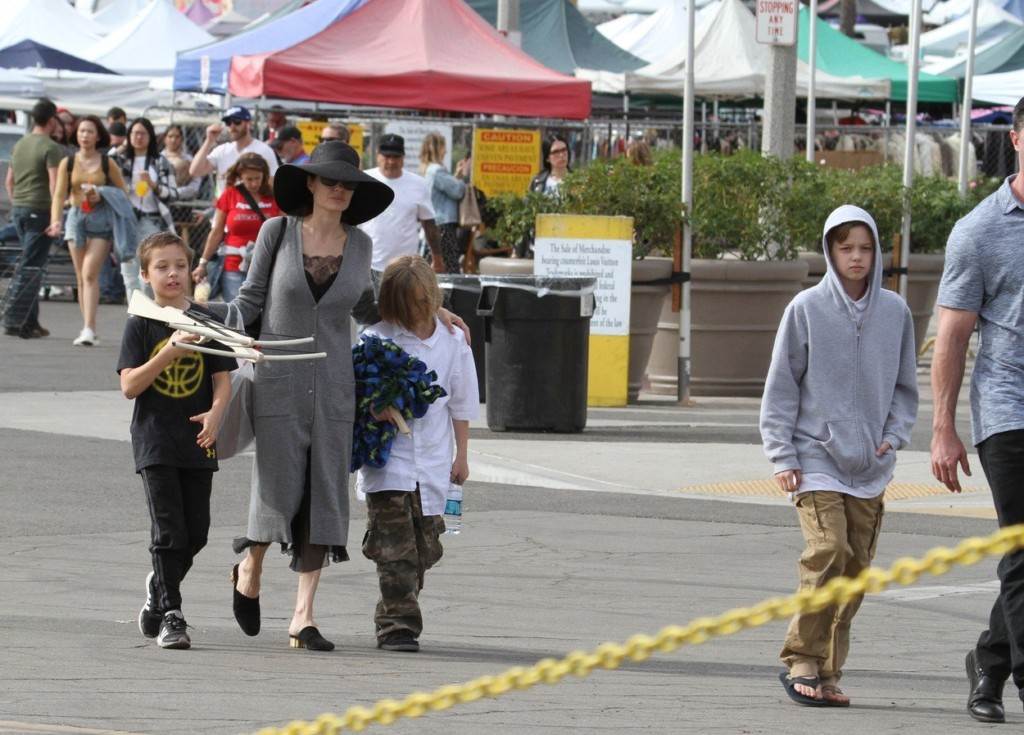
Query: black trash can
{"points": [[536, 335], [462, 293]]}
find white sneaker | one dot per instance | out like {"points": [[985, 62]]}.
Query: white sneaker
{"points": [[86, 338]]}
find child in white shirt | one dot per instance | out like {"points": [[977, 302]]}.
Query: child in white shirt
{"points": [[405, 498]]}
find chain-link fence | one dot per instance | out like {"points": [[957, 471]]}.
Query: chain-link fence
{"points": [[937, 152]]}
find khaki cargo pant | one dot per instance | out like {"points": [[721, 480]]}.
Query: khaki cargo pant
{"points": [[841, 533], [404, 544]]}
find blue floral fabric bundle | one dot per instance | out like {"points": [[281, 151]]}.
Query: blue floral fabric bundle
{"points": [[386, 375]]}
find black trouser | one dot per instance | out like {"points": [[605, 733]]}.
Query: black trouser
{"points": [[23, 301], [1001, 647], [179, 508]]}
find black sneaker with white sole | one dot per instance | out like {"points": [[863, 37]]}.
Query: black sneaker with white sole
{"points": [[401, 640], [149, 617], [173, 633]]}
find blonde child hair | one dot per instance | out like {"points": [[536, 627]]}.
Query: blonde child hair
{"points": [[409, 294]]}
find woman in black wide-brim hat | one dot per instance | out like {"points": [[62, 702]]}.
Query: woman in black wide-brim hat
{"points": [[310, 272]]}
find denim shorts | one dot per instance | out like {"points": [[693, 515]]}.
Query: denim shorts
{"points": [[97, 224]]}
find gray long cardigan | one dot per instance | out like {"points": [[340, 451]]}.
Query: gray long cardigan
{"points": [[306, 404]]}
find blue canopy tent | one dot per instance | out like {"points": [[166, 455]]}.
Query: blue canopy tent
{"points": [[29, 54], [206, 68]]}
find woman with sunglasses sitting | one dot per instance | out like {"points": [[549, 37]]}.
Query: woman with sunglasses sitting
{"points": [[246, 203]]}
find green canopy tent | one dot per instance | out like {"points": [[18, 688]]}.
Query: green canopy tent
{"points": [[557, 35], [842, 56]]}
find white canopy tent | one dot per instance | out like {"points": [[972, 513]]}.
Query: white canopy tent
{"points": [[1006, 88], [119, 12], [994, 23], [52, 23], [728, 62], [620, 6], [148, 44], [656, 36], [92, 93]]}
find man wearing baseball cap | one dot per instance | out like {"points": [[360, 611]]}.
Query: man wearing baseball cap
{"points": [[395, 232], [212, 158], [288, 144]]}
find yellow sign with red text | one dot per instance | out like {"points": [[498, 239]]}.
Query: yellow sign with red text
{"points": [[505, 160], [311, 130]]}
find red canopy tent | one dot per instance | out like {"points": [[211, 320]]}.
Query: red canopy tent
{"points": [[437, 55]]}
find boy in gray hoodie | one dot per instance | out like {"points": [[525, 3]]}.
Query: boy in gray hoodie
{"points": [[840, 399]]}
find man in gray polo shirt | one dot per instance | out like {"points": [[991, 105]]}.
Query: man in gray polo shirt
{"points": [[983, 284]]}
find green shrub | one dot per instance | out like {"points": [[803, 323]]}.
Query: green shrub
{"points": [[745, 205]]}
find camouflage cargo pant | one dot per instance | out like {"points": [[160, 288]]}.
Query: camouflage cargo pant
{"points": [[404, 544]]}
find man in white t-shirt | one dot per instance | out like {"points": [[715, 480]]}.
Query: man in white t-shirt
{"points": [[212, 158], [395, 232]]}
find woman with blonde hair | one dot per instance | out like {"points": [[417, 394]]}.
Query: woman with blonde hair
{"points": [[446, 191]]}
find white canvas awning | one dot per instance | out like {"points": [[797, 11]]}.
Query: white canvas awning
{"points": [[148, 44], [728, 62], [1001, 89], [52, 23], [657, 36], [994, 23]]}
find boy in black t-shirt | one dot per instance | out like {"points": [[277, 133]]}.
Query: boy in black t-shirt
{"points": [[180, 399]]}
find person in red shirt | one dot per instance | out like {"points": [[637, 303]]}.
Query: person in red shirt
{"points": [[247, 202]]}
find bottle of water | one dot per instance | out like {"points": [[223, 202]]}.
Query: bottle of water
{"points": [[453, 510]]}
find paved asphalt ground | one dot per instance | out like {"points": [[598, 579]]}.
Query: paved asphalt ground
{"points": [[545, 565]]}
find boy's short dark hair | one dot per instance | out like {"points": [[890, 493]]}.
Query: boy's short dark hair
{"points": [[43, 111], [409, 294], [116, 113], [160, 240], [1018, 116]]}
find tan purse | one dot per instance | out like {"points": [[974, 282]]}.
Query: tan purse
{"points": [[469, 209]]}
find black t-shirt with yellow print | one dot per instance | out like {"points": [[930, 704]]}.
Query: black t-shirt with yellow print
{"points": [[161, 431]]}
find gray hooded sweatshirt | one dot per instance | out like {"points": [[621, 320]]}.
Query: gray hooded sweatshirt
{"points": [[842, 379]]}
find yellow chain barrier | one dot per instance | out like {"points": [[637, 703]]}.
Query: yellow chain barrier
{"points": [[906, 571]]}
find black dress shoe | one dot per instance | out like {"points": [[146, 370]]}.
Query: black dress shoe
{"points": [[246, 609], [985, 702]]}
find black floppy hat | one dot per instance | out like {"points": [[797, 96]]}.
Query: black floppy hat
{"points": [[331, 159]]}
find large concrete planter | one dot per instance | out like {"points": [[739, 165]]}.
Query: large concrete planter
{"points": [[645, 306], [737, 306], [922, 284], [506, 267]]}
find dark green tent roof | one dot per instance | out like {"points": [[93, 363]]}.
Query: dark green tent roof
{"points": [[844, 57], [557, 35]]}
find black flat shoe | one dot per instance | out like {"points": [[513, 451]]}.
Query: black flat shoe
{"points": [[247, 609], [985, 701], [310, 639]]}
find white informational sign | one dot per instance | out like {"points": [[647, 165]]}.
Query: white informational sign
{"points": [[776, 22], [609, 261], [414, 133]]}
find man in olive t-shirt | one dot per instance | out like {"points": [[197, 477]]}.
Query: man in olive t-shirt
{"points": [[30, 181]]}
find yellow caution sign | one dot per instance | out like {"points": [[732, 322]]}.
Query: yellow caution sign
{"points": [[505, 160], [602, 248], [311, 130]]}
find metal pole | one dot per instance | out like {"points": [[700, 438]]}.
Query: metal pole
{"points": [[504, 13], [965, 110], [683, 366], [812, 61], [908, 154]]}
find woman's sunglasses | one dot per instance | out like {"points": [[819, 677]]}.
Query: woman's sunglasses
{"points": [[331, 183]]}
